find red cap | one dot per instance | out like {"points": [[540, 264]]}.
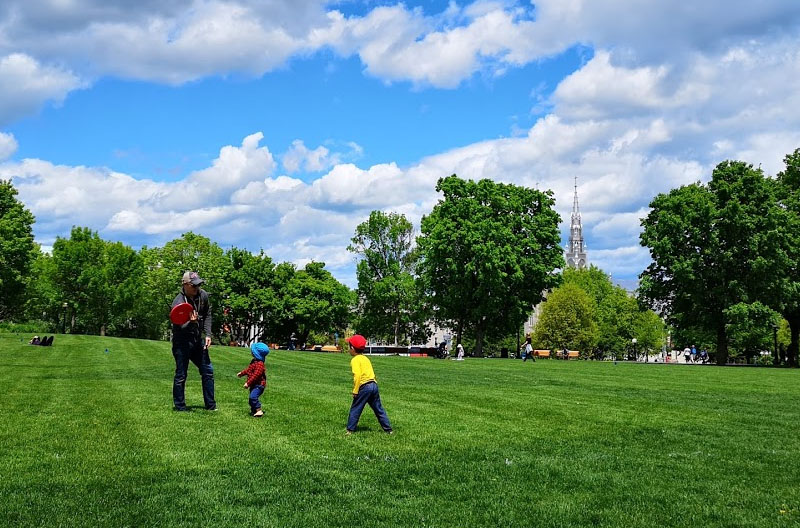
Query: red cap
{"points": [[358, 342]]}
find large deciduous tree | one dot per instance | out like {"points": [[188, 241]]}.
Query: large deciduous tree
{"points": [[316, 302], [488, 252], [252, 302], [165, 267], [100, 282], [390, 305], [713, 246], [789, 197], [17, 250]]}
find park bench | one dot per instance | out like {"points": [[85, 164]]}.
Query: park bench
{"points": [[330, 348], [541, 353], [573, 354]]}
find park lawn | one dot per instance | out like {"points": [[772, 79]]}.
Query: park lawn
{"points": [[89, 438]]}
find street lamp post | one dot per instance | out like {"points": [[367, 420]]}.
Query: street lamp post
{"points": [[64, 325], [635, 355]]}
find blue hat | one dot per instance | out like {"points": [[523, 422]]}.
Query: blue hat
{"points": [[259, 351]]}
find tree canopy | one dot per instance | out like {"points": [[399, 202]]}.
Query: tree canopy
{"points": [[488, 253], [17, 250], [713, 246], [390, 306]]}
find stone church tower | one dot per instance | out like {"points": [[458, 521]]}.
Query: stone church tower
{"points": [[575, 253]]}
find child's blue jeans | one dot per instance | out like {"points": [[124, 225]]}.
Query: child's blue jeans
{"points": [[368, 394], [255, 394]]}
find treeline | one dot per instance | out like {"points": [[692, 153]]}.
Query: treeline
{"points": [[589, 313], [485, 255], [93, 286]]}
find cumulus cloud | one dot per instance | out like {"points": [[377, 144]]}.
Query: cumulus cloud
{"points": [[25, 84], [176, 42], [300, 158], [8, 145], [663, 97]]}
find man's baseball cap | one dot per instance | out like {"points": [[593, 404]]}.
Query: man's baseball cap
{"points": [[192, 277], [358, 342]]}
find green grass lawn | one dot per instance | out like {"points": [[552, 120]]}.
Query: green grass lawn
{"points": [[89, 438]]}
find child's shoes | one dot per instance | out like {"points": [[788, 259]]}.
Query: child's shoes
{"points": [[258, 414]]}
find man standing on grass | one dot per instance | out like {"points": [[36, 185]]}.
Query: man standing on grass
{"points": [[189, 345]]}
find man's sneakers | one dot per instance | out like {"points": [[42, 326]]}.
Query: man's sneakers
{"points": [[258, 414], [181, 409]]}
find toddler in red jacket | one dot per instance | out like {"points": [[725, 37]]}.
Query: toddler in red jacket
{"points": [[256, 377]]}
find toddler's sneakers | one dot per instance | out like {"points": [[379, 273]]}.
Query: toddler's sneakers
{"points": [[258, 414]]}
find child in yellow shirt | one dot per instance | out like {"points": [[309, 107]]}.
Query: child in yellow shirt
{"points": [[365, 388]]}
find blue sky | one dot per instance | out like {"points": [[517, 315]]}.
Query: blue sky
{"points": [[281, 125]]}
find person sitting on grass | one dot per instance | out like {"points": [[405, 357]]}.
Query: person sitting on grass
{"points": [[256, 377], [365, 388], [35, 341]]}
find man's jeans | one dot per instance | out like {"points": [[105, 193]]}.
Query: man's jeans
{"points": [[197, 354], [255, 394], [368, 394]]}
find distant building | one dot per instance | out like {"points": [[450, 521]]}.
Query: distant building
{"points": [[575, 255]]}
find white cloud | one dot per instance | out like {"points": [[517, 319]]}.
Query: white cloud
{"points": [[8, 145], [174, 43], [25, 85], [665, 96], [300, 158]]}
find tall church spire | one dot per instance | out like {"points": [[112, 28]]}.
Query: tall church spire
{"points": [[575, 255]]}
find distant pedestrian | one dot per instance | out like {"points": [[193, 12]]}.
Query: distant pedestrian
{"points": [[694, 354], [687, 354], [460, 349], [188, 343], [527, 351], [365, 387], [256, 377]]}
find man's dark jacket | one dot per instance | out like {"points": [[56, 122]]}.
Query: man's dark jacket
{"points": [[190, 332]]}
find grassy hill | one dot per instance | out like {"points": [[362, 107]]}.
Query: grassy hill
{"points": [[89, 438]]}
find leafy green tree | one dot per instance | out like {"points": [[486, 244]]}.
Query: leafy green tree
{"points": [[314, 301], [567, 320], [17, 250], [123, 271], [750, 328], [391, 307], [713, 246], [650, 332], [80, 277], [99, 281], [44, 301], [788, 182], [164, 268], [488, 252], [618, 315], [252, 295]]}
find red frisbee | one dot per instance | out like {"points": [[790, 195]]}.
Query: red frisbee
{"points": [[181, 313]]}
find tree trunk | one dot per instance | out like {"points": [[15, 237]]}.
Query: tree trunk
{"points": [[794, 331], [479, 332], [102, 330], [722, 345], [396, 328]]}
